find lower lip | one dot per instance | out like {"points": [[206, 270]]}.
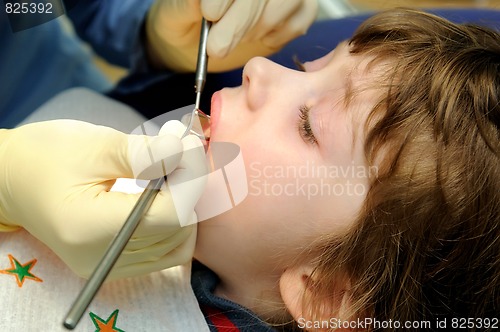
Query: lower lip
{"points": [[215, 109]]}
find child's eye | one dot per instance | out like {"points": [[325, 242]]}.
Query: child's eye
{"points": [[304, 126]]}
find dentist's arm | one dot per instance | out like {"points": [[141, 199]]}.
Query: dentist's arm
{"points": [[112, 27], [55, 180], [123, 32]]}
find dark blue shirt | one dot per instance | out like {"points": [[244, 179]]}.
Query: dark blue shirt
{"points": [[221, 314]]}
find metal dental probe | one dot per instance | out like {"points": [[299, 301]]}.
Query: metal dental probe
{"points": [[143, 204], [201, 65]]}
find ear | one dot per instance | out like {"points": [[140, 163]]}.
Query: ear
{"points": [[297, 281]]}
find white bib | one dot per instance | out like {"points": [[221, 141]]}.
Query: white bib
{"points": [[37, 290]]}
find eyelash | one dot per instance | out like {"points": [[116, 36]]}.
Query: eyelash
{"points": [[304, 126], [298, 64]]}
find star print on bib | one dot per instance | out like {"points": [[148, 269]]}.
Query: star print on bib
{"points": [[21, 271], [108, 325]]}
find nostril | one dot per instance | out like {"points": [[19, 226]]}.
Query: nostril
{"points": [[246, 80], [255, 69], [256, 81]]}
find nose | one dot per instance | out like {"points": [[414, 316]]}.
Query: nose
{"points": [[259, 76]]}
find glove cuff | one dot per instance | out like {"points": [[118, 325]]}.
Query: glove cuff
{"points": [[4, 226], [7, 228]]}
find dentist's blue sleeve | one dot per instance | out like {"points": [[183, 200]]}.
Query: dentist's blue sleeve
{"points": [[39, 62], [115, 29], [112, 27]]}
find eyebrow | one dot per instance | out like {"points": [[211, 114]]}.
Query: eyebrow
{"points": [[349, 90], [347, 99], [348, 95]]}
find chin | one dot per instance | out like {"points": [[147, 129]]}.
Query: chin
{"points": [[222, 240]]}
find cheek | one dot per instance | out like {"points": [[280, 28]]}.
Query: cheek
{"points": [[292, 197], [269, 187], [274, 202], [307, 198]]}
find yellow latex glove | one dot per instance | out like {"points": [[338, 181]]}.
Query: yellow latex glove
{"points": [[241, 29], [55, 178]]}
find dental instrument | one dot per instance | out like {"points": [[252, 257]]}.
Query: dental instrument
{"points": [[144, 202]]}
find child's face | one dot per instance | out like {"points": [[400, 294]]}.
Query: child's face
{"points": [[303, 183]]}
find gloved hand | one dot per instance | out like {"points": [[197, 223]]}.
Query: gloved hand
{"points": [[241, 29], [55, 178]]}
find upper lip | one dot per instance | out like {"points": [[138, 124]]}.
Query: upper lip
{"points": [[214, 111]]}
